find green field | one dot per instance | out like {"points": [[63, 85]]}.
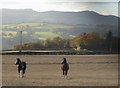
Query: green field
{"points": [[36, 30], [36, 25], [45, 35]]}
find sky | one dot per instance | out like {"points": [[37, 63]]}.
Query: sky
{"points": [[105, 7]]}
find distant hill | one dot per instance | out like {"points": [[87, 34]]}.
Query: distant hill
{"points": [[47, 25], [12, 16]]}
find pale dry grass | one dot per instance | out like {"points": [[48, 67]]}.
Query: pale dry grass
{"points": [[44, 70]]}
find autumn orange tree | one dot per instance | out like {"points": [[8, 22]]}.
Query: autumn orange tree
{"points": [[83, 39], [75, 42]]}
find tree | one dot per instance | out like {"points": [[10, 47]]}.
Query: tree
{"points": [[75, 42], [47, 43], [66, 43], [83, 39], [87, 37], [57, 42], [10, 34], [108, 39]]}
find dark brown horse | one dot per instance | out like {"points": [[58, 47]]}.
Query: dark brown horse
{"points": [[64, 67]]}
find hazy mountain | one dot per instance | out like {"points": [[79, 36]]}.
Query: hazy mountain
{"points": [[52, 23], [12, 16]]}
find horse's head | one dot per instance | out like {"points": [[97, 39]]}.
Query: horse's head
{"points": [[64, 61], [18, 61], [64, 58]]}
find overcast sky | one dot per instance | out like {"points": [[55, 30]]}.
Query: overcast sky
{"points": [[106, 7]]}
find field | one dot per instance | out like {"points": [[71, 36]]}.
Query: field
{"points": [[44, 70], [40, 29]]}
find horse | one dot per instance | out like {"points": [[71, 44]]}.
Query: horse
{"points": [[21, 65], [64, 67]]}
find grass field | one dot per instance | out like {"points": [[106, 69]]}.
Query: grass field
{"points": [[44, 70]]}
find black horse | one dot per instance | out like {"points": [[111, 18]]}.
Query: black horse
{"points": [[21, 67], [64, 67]]}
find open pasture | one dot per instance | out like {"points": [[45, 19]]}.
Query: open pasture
{"points": [[44, 70]]}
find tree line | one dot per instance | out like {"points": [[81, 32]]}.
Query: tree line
{"points": [[91, 41]]}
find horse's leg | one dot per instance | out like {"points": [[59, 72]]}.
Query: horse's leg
{"points": [[23, 72], [66, 71], [18, 72], [63, 73]]}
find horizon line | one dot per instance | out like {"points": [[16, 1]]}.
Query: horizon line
{"points": [[61, 11]]}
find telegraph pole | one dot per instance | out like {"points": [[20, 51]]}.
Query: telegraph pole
{"points": [[20, 42]]}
